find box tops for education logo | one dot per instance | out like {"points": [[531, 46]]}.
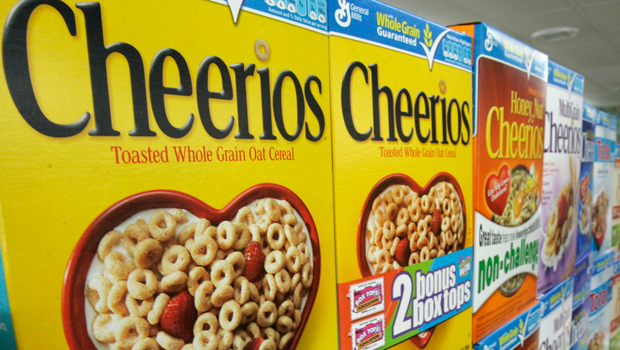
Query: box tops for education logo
{"points": [[367, 298], [369, 334]]}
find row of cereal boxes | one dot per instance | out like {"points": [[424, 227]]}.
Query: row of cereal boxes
{"points": [[296, 174]]}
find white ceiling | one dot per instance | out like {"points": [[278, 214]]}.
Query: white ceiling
{"points": [[595, 52]]}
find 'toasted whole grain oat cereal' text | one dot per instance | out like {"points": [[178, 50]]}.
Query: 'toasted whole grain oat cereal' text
{"points": [[508, 136], [167, 147], [402, 178]]}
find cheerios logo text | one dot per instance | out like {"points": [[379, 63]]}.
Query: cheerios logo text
{"points": [[233, 77], [436, 119]]}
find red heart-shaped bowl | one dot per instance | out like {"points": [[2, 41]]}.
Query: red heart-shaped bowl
{"points": [[400, 179], [73, 293]]}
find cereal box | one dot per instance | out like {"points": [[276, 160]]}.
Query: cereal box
{"points": [[615, 230], [401, 91], [601, 287], [520, 333], [602, 181], [614, 328], [510, 84], [581, 302], [562, 162], [163, 160], [586, 201], [556, 316]]}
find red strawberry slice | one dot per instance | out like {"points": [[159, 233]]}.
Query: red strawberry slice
{"points": [[179, 316], [254, 344], [402, 252], [562, 210], [254, 262], [436, 221]]}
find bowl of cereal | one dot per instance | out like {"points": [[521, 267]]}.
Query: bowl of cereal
{"points": [[250, 270], [522, 198]]}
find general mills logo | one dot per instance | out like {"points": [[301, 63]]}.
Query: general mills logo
{"points": [[488, 42], [343, 15]]}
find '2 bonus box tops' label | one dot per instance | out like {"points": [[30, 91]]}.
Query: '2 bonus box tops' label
{"points": [[510, 85]]}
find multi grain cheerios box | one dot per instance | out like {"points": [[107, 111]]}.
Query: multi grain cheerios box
{"points": [[601, 290], [556, 316], [402, 126], [614, 327], [520, 333], [562, 163], [163, 160], [586, 201], [510, 84], [602, 182], [581, 302]]}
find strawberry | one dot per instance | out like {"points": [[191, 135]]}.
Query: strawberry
{"points": [[403, 252], [436, 222], [562, 210], [179, 316], [254, 262], [254, 344]]}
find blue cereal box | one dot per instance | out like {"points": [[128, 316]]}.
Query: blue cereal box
{"points": [[581, 302]]}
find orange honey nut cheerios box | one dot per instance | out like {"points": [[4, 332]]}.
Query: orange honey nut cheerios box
{"points": [[401, 114], [510, 82], [167, 175]]}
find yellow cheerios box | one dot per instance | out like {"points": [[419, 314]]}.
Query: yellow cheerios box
{"points": [[402, 146], [166, 175]]}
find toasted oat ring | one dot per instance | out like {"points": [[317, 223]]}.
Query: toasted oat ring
{"points": [[261, 50], [392, 211], [169, 342], [379, 202], [285, 339], [203, 227], [203, 250], [286, 207], [284, 324], [158, 308], [147, 253], [283, 280], [424, 254], [297, 278], [242, 237], [240, 339], [224, 338], [297, 295], [269, 333], [141, 284], [119, 265], [267, 314], [106, 244], [286, 309], [196, 276], [263, 223], [254, 293], [174, 282], [269, 287], [97, 291], [445, 223], [162, 226], [274, 262], [237, 261], [230, 315], [245, 216], [175, 258], [131, 329], [100, 331], [423, 227], [204, 295], [134, 234], [399, 195], [187, 232], [289, 219], [272, 210], [380, 216], [293, 259], [226, 234], [389, 229], [205, 340], [248, 312], [255, 233], [242, 290], [304, 252], [307, 275], [222, 294], [116, 298], [146, 344], [207, 319], [138, 309], [222, 273], [276, 236], [291, 235], [253, 329], [402, 217], [425, 203]]}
